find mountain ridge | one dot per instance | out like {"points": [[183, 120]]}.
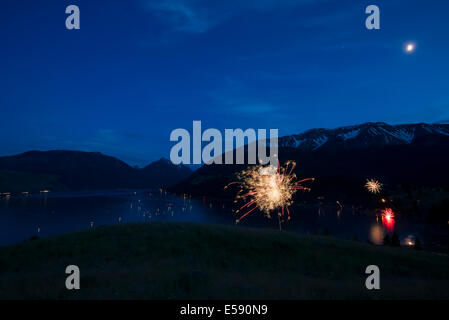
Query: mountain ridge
{"points": [[403, 158], [78, 170], [362, 135]]}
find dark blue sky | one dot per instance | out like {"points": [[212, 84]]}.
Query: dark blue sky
{"points": [[138, 69]]}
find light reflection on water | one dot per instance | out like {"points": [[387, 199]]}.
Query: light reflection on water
{"points": [[22, 217], [377, 234], [56, 213]]}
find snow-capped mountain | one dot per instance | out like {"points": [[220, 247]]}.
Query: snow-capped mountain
{"points": [[342, 159], [365, 135]]}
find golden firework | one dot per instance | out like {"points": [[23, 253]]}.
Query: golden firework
{"points": [[268, 189], [373, 186]]}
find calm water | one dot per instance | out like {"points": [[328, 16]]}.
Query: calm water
{"points": [[56, 213]]}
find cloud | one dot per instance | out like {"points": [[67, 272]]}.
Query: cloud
{"points": [[105, 137], [233, 97], [199, 16], [180, 15]]}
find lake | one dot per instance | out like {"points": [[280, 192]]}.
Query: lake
{"points": [[24, 216]]}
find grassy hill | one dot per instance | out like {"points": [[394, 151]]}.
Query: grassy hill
{"points": [[193, 261]]}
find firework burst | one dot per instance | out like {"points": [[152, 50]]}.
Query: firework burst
{"points": [[373, 186], [388, 214], [388, 219], [268, 189]]}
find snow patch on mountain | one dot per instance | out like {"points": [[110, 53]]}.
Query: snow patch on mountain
{"points": [[441, 131], [299, 142], [373, 131], [320, 141], [350, 135], [405, 135], [400, 134], [429, 130], [364, 135]]}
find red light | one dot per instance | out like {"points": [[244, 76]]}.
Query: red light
{"points": [[388, 219], [388, 214]]}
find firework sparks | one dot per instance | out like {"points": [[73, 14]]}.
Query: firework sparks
{"points": [[268, 189], [388, 214], [373, 186], [388, 219], [340, 209]]}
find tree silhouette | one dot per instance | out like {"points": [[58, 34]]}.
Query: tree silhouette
{"points": [[395, 240], [386, 241], [417, 245]]}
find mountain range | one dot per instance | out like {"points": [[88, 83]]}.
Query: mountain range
{"points": [[342, 159], [377, 134], [75, 170]]}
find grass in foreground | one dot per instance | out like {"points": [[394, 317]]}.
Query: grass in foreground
{"points": [[193, 261]]}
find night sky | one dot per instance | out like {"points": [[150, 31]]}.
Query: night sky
{"points": [[138, 69]]}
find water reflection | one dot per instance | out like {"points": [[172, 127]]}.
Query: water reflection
{"points": [[24, 216], [376, 234]]}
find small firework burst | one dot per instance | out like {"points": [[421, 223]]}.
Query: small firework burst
{"points": [[388, 214], [373, 186], [268, 189], [388, 219]]}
